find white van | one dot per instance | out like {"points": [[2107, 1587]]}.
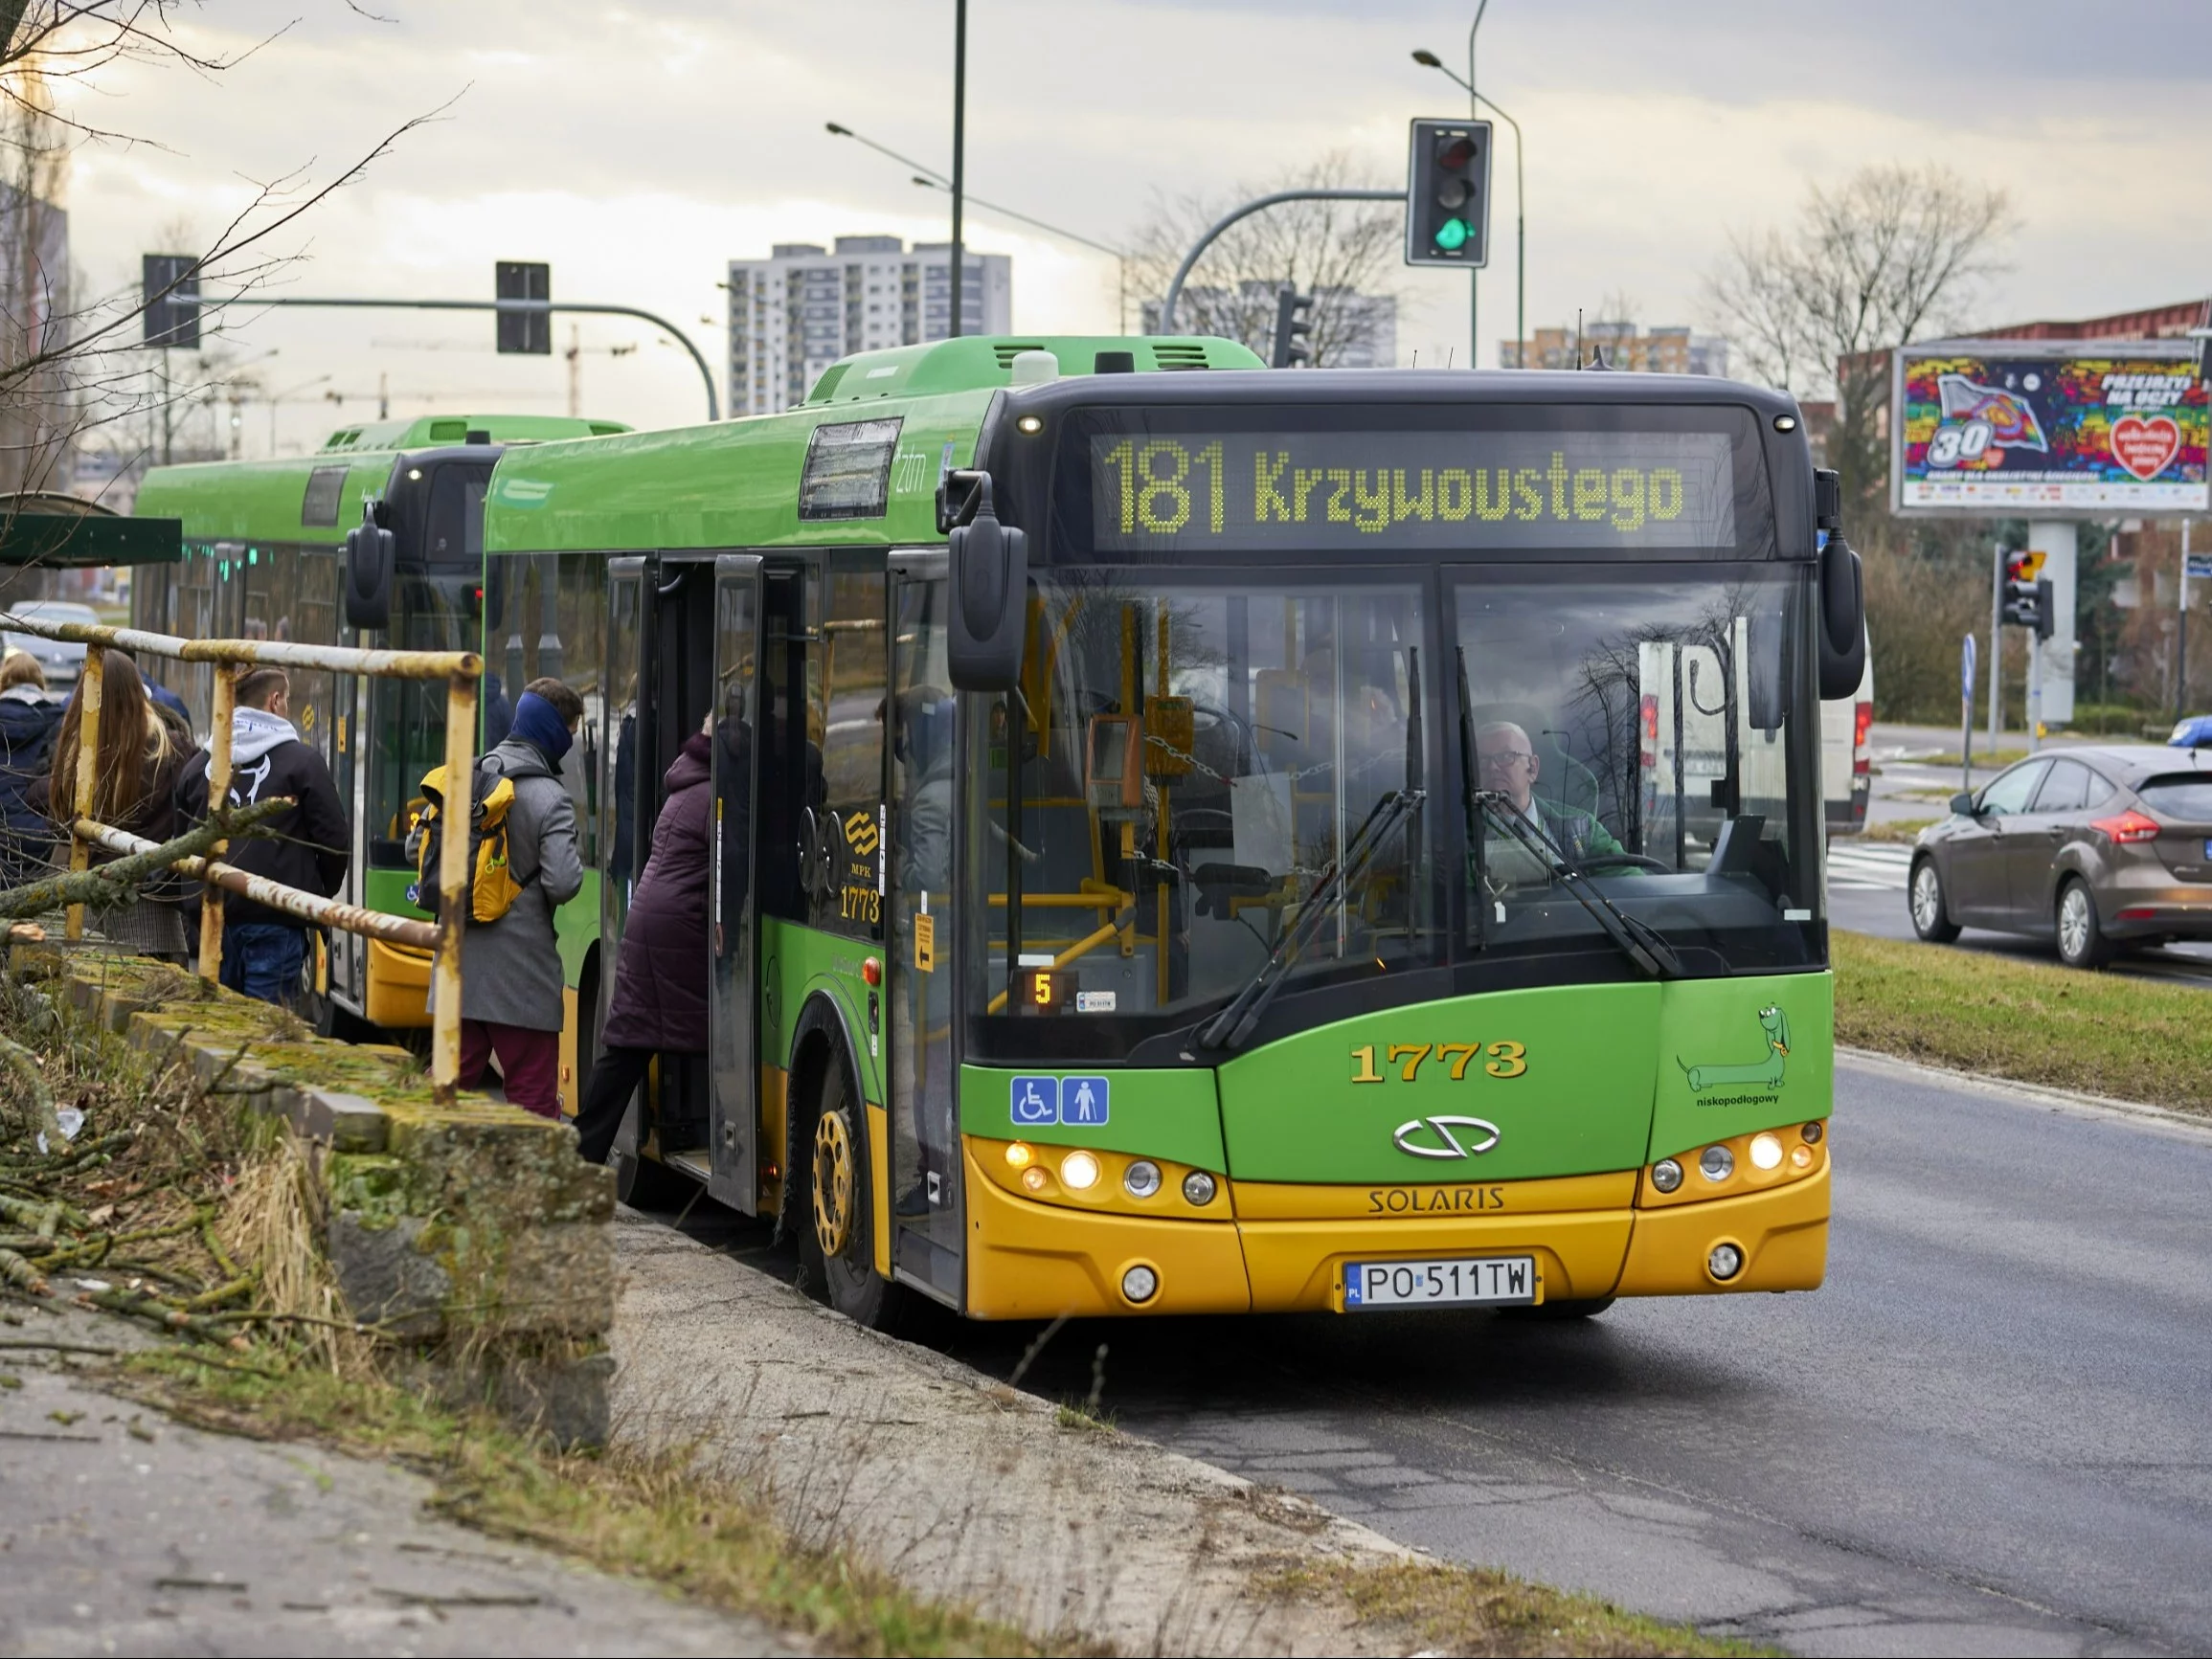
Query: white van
{"points": [[1846, 775]]}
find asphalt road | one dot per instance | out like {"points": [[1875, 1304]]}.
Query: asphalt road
{"points": [[1988, 1433]]}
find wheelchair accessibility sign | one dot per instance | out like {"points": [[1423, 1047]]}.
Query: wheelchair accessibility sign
{"points": [[1077, 1102]]}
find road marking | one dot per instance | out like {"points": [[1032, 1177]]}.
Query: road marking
{"points": [[1869, 867]]}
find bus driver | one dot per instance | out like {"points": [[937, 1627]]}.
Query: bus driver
{"points": [[1510, 767]]}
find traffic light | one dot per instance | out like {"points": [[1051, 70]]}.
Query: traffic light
{"points": [[526, 332], [1448, 194], [2027, 594], [170, 291], [1292, 322]]}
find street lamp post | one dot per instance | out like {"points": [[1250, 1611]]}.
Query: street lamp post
{"points": [[960, 149], [1429, 60]]}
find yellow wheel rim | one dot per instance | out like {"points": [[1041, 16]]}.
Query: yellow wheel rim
{"points": [[832, 1183]]}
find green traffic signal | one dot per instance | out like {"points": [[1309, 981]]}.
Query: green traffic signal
{"points": [[1452, 236]]}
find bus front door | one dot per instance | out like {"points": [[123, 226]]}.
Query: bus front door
{"points": [[927, 1213], [733, 990]]}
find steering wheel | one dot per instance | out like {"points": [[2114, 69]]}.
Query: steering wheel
{"points": [[1634, 861]]}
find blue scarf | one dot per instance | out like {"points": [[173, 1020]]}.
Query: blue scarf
{"points": [[537, 722]]}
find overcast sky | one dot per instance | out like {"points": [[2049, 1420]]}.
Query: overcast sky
{"points": [[640, 148]]}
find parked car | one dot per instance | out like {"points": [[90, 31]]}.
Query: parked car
{"points": [[2195, 732], [2096, 848], [61, 662]]}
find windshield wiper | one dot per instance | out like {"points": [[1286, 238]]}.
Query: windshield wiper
{"points": [[1236, 1024], [1644, 946]]}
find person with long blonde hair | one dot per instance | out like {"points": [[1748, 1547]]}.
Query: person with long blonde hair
{"points": [[133, 788]]}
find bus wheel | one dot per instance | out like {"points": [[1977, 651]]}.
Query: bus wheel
{"points": [[1587, 1308], [838, 1234]]}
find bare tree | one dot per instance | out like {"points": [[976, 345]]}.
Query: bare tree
{"points": [[1891, 255], [1344, 254], [71, 367]]}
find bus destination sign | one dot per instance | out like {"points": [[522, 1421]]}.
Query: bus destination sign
{"points": [[1247, 491]]}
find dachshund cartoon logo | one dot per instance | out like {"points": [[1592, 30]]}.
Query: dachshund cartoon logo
{"points": [[1766, 1069]]}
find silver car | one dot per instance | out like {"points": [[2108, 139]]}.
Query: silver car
{"points": [[2096, 848], [60, 661]]}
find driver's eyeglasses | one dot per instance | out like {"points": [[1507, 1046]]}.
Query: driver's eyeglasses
{"points": [[1508, 757]]}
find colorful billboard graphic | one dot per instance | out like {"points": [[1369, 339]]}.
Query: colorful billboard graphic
{"points": [[2005, 428]]}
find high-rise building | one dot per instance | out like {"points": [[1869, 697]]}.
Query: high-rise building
{"points": [[1670, 349], [797, 311]]}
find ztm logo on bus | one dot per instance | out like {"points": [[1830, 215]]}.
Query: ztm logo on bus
{"points": [[861, 834], [1074, 1101]]}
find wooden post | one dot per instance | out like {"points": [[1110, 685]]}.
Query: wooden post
{"points": [[88, 769], [453, 881], [220, 725]]}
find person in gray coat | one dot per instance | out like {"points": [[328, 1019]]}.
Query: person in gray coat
{"points": [[511, 983]]}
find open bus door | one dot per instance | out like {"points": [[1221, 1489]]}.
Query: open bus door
{"points": [[683, 643], [732, 930]]}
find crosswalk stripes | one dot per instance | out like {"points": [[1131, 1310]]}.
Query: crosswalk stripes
{"points": [[1869, 866]]}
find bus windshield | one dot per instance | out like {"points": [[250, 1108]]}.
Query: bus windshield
{"points": [[1194, 759], [1634, 725]]}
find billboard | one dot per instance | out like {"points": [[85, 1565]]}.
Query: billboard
{"points": [[2048, 429]]}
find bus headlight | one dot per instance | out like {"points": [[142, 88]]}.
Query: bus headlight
{"points": [[1717, 1163], [1667, 1175], [1139, 1284], [1198, 1187], [1017, 1154], [1725, 1262], [1765, 1150], [1079, 1172], [1142, 1179]]}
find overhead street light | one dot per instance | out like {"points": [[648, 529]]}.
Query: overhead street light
{"points": [[1428, 60]]}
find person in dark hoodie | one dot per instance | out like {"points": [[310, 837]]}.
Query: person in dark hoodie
{"points": [[28, 718], [511, 984], [660, 1001], [265, 950]]}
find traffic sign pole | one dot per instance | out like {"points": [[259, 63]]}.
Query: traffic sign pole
{"points": [[1966, 665]]}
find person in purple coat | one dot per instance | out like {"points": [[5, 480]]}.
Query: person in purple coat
{"points": [[660, 1001]]}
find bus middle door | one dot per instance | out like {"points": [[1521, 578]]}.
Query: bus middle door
{"points": [[732, 934]]}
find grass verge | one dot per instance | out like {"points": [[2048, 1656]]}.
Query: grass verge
{"points": [[2115, 1034], [1434, 1609], [1902, 830]]}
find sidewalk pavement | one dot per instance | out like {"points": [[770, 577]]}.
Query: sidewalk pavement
{"points": [[124, 1531]]}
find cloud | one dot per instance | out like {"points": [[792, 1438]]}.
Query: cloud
{"points": [[638, 149]]}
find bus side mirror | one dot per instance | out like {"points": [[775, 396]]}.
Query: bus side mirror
{"points": [[371, 564], [1843, 628], [989, 575]]}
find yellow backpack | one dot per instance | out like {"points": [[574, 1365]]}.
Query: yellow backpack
{"points": [[492, 887]]}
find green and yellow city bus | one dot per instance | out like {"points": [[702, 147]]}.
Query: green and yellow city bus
{"points": [[1195, 839], [264, 558]]}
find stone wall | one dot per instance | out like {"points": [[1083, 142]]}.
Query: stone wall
{"points": [[470, 1239]]}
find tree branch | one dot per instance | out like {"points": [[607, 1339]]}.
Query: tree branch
{"points": [[111, 883]]}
